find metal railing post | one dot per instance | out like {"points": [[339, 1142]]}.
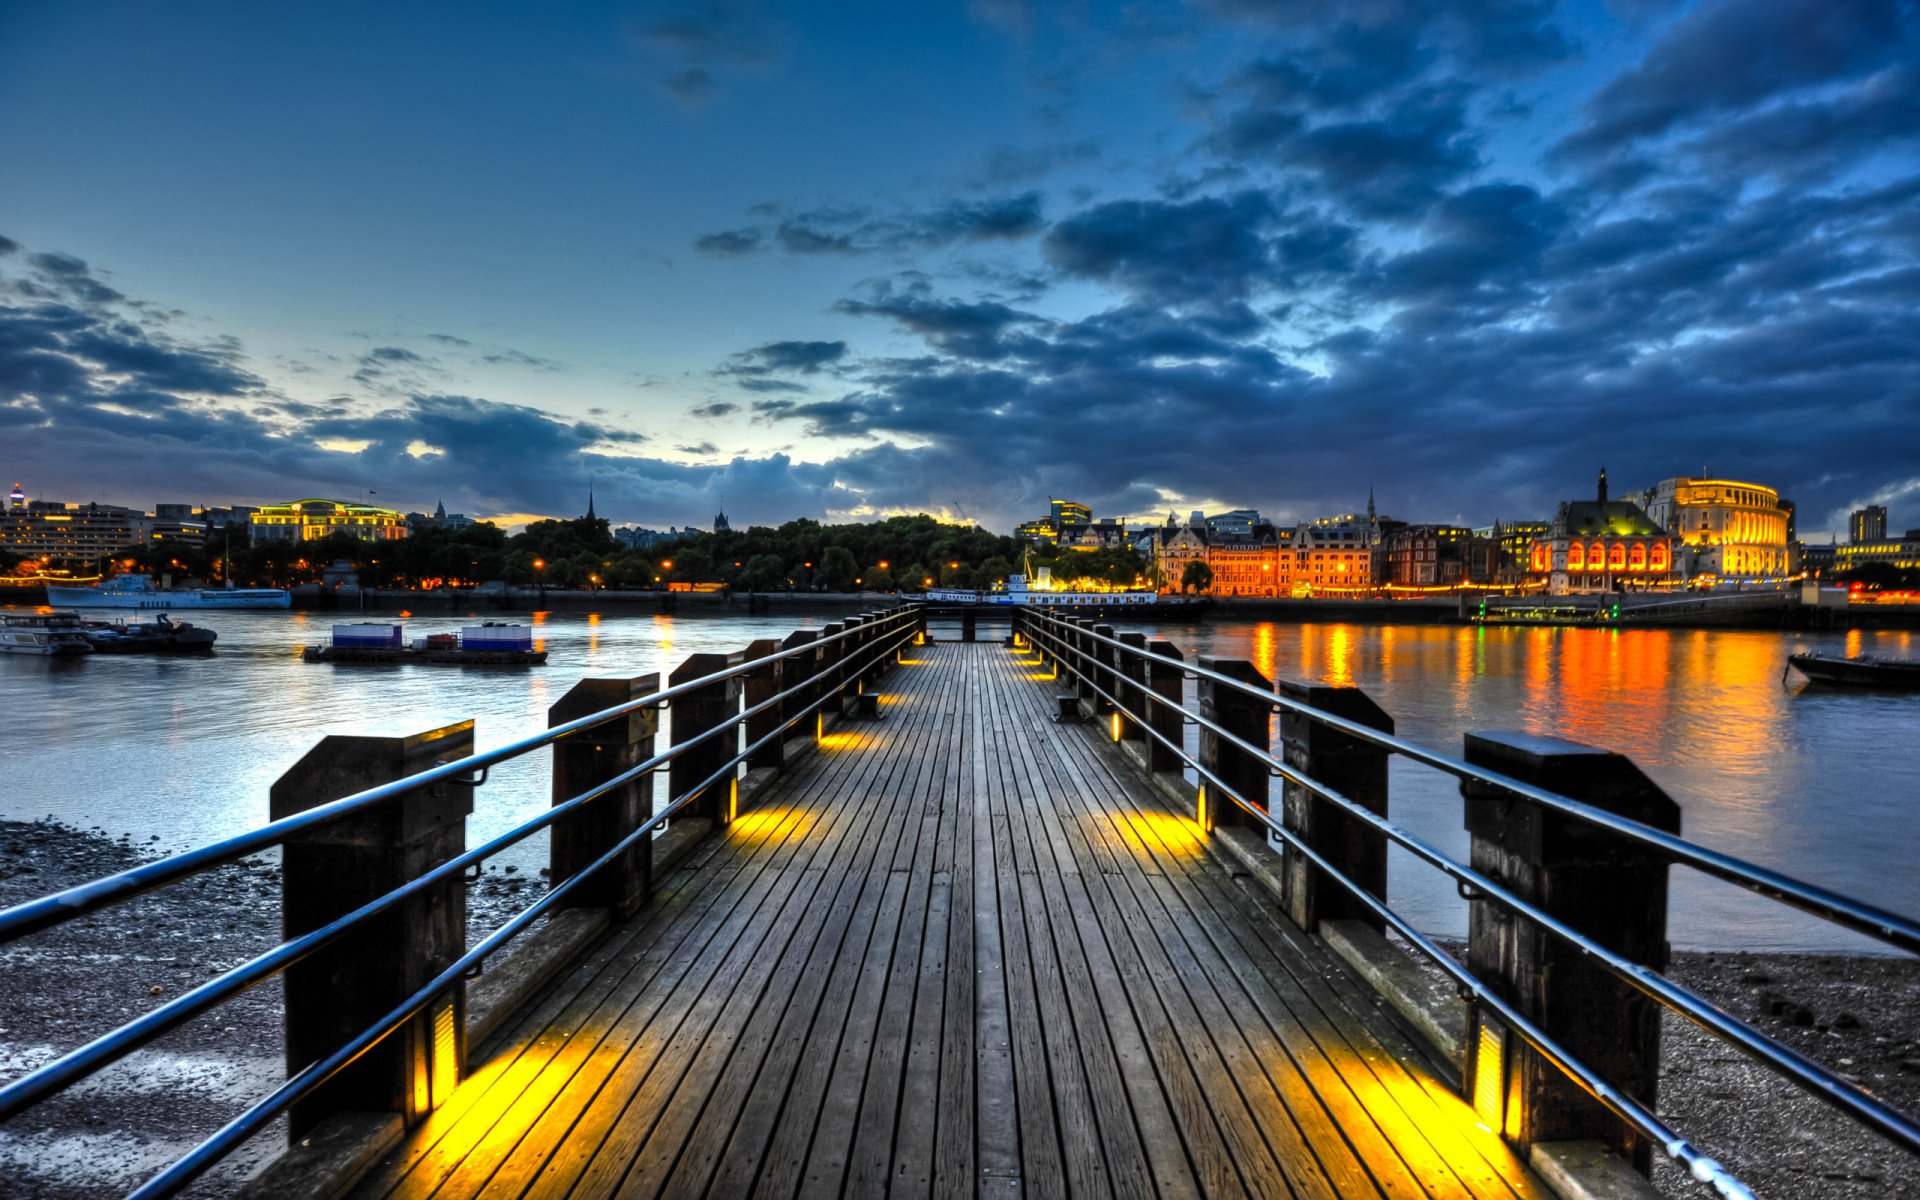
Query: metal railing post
{"points": [[761, 684], [1613, 891], [796, 671], [694, 713], [1082, 662], [1105, 666], [589, 757], [826, 671], [1357, 770], [1244, 717], [1166, 679], [1131, 686], [348, 985]]}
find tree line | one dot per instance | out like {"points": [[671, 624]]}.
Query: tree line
{"points": [[897, 553]]}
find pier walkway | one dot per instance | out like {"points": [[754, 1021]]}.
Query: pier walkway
{"points": [[960, 950]]}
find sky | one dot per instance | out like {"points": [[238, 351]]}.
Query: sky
{"points": [[843, 260]]}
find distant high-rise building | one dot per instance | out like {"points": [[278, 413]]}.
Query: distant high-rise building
{"points": [[1868, 524], [17, 498]]}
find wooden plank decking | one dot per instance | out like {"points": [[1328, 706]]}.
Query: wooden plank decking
{"points": [[963, 950]]}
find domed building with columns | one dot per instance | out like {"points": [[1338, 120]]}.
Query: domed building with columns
{"points": [[1727, 529], [1604, 545]]}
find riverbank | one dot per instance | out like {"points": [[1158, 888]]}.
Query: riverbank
{"points": [[67, 985], [1859, 1015]]}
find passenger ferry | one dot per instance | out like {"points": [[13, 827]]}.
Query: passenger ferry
{"points": [[1041, 594], [140, 591], [43, 633]]}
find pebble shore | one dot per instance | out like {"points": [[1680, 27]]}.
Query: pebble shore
{"points": [[1860, 1016]]}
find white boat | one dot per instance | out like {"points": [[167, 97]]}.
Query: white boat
{"points": [[1041, 594], [140, 591], [43, 633]]}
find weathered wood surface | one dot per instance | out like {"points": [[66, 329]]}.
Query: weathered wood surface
{"points": [[963, 951]]}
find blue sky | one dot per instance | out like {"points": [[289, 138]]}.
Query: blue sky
{"points": [[839, 260]]}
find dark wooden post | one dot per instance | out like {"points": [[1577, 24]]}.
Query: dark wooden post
{"points": [[795, 671], [593, 756], [760, 685], [969, 623], [1245, 718], [1610, 889], [1166, 677], [1357, 770], [694, 713], [1132, 685], [336, 993]]}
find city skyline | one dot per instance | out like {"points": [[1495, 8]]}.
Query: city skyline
{"points": [[853, 261]]}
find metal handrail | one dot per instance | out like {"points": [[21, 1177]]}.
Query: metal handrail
{"points": [[195, 1162], [1803, 1071], [1878, 923], [48, 911], [110, 1047]]}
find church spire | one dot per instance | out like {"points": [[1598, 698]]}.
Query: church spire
{"points": [[1603, 485], [590, 515]]}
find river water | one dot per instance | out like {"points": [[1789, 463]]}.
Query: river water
{"points": [[1821, 784]]}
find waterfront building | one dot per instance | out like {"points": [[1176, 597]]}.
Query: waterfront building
{"points": [[1063, 524], [1604, 545], [1439, 556], [1339, 554], [1239, 523], [78, 532], [441, 519], [1257, 564], [1514, 564], [1104, 534], [634, 537], [1727, 529], [1818, 560], [1902, 552], [1867, 524], [309, 520]]}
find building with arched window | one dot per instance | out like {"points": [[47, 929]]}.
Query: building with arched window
{"points": [[1604, 545], [1727, 529]]}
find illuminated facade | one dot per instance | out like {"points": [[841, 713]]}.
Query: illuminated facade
{"points": [[309, 520], [71, 531], [1902, 552], [1727, 529], [1604, 545], [1063, 523], [1338, 554], [1867, 524]]}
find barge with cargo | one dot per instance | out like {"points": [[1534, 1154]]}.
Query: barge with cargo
{"points": [[488, 644]]}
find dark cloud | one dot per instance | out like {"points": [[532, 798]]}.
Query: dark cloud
{"points": [[520, 358], [447, 339], [699, 449], [732, 243], [715, 410], [979, 330], [857, 231], [391, 355], [691, 86], [803, 358], [1728, 55], [1205, 250], [8, 246]]}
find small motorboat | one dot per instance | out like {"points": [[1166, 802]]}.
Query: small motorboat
{"points": [[1862, 670], [162, 635]]}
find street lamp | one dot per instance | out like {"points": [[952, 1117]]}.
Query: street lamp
{"points": [[540, 579]]}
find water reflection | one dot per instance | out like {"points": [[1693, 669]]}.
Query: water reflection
{"points": [[1814, 783]]}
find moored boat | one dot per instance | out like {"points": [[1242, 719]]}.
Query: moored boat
{"points": [[1138, 605], [1858, 671], [162, 635], [43, 634], [140, 591]]}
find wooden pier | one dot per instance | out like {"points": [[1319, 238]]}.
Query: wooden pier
{"points": [[961, 950]]}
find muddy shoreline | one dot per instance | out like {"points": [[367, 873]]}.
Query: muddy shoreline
{"points": [[1860, 1016]]}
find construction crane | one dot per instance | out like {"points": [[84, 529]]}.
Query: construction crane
{"points": [[962, 512]]}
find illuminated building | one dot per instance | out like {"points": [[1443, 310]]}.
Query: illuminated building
{"points": [[71, 531], [309, 520], [1868, 524], [1902, 552], [1338, 553], [1727, 529], [1063, 523], [1515, 541], [1603, 545]]}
